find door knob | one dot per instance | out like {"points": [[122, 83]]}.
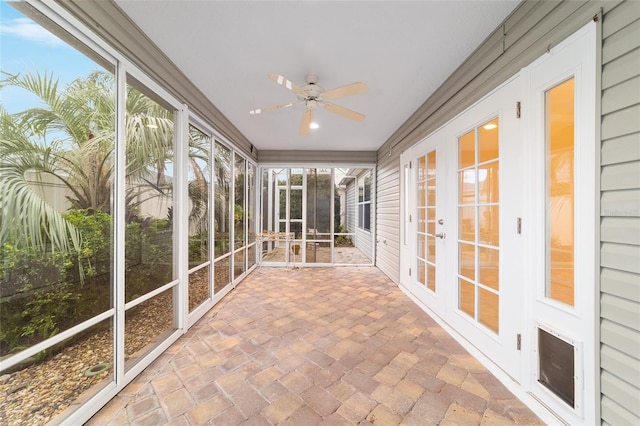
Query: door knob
{"points": [[440, 235]]}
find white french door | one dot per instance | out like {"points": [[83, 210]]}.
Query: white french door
{"points": [[460, 243], [486, 284], [424, 221]]}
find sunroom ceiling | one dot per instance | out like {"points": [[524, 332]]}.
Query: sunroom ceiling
{"points": [[402, 50]]}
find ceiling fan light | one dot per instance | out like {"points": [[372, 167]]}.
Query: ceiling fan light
{"points": [[314, 125]]}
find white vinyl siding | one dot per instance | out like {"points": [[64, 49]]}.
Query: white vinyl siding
{"points": [[620, 216]]}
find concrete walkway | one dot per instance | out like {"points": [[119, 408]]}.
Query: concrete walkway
{"points": [[331, 346]]}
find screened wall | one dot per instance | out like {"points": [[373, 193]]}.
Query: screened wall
{"points": [[316, 216], [124, 218]]}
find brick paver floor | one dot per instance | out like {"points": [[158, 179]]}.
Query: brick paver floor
{"points": [[331, 346]]}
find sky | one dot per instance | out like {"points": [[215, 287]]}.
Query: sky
{"points": [[26, 46]]}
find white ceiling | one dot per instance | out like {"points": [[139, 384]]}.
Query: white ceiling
{"points": [[402, 50]]}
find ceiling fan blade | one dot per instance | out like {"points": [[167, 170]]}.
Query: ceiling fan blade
{"points": [[272, 107], [283, 81], [348, 90], [345, 112], [305, 123]]}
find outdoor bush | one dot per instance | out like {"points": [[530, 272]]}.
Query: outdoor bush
{"points": [[94, 256], [26, 268]]}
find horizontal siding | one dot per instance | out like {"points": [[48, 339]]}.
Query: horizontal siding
{"points": [[614, 414], [620, 203], [620, 311], [621, 69], [621, 284], [621, 96], [620, 391], [623, 257], [621, 176], [620, 221], [622, 149], [621, 123], [622, 365], [623, 230], [620, 17], [387, 220], [622, 41], [621, 338]]}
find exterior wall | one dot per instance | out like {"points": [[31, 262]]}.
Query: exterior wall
{"points": [[525, 35], [364, 240], [350, 200], [620, 216]]}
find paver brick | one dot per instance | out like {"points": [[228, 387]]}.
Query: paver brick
{"points": [[326, 346]]}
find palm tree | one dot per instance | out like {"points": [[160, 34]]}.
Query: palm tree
{"points": [[71, 137]]}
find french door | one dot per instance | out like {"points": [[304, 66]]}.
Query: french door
{"points": [[460, 209], [425, 227]]}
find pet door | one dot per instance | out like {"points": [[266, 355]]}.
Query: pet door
{"points": [[556, 360]]}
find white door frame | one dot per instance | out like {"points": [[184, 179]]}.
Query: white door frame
{"points": [[574, 57]]}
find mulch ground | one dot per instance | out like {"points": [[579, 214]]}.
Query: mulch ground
{"points": [[37, 393]]}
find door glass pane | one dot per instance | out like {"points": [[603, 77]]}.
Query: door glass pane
{"points": [[488, 307], [427, 193], [489, 232], [488, 267], [560, 192], [467, 223], [467, 260], [467, 150], [431, 277], [467, 298], [467, 186], [488, 141], [478, 223], [431, 250], [421, 240], [488, 183], [422, 272], [405, 198]]}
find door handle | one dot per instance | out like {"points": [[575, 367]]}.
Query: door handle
{"points": [[440, 235]]}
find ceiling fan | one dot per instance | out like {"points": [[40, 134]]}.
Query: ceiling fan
{"points": [[313, 95]]}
